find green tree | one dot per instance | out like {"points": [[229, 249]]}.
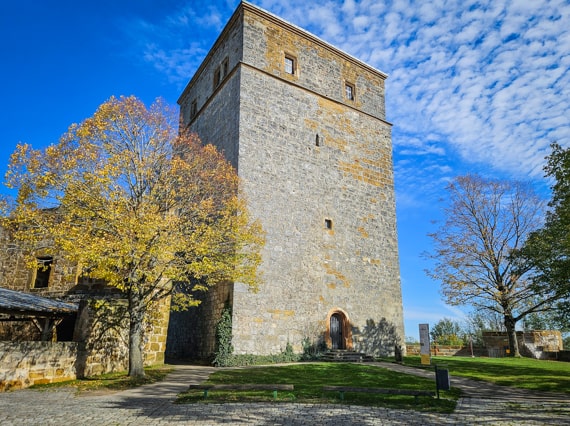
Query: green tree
{"points": [[478, 322], [137, 204], [547, 250], [485, 221], [447, 332]]}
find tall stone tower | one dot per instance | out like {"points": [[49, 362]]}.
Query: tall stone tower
{"points": [[305, 126]]}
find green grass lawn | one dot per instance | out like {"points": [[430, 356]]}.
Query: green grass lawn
{"points": [[112, 381], [309, 378], [524, 373]]}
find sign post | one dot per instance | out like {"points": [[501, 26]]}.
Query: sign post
{"points": [[425, 353]]}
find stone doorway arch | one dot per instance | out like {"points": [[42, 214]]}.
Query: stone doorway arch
{"points": [[339, 330]]}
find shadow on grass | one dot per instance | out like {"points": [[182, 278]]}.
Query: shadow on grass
{"points": [[310, 378], [112, 381]]}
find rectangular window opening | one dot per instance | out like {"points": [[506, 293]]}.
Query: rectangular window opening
{"points": [[328, 224], [193, 108], [43, 271], [318, 140], [290, 65], [217, 77], [349, 91], [225, 68], [221, 72]]}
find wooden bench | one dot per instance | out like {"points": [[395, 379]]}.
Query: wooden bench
{"points": [[342, 389], [243, 387]]}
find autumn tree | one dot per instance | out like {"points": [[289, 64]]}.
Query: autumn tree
{"points": [[485, 222], [136, 204], [547, 250]]}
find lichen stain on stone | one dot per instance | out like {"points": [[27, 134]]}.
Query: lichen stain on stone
{"points": [[312, 124], [364, 174], [280, 41], [334, 115], [363, 232], [281, 313], [338, 275]]}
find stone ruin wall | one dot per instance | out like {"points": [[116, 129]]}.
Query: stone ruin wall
{"points": [[539, 344], [99, 342]]}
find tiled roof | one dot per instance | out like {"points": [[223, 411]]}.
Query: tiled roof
{"points": [[19, 303]]}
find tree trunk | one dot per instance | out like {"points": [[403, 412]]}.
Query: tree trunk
{"points": [[136, 317], [512, 335]]}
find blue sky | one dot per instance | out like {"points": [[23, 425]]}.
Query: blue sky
{"points": [[474, 86]]}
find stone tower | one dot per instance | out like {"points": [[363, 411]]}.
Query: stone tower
{"points": [[305, 126]]}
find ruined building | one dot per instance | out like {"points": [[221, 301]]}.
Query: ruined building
{"points": [[305, 126]]}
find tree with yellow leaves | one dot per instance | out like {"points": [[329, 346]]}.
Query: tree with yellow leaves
{"points": [[138, 205]]}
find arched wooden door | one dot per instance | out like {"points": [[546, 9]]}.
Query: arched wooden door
{"points": [[336, 327]]}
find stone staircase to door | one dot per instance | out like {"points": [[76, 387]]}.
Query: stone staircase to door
{"points": [[343, 355]]}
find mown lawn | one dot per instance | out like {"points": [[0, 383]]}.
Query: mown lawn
{"points": [[112, 382], [309, 379], [524, 373]]}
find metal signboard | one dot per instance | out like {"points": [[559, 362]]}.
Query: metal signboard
{"points": [[425, 344]]}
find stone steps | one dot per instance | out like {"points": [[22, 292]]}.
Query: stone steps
{"points": [[341, 355]]}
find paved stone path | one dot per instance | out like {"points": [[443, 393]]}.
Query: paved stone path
{"points": [[152, 405]]}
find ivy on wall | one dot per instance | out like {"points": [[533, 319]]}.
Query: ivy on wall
{"points": [[224, 347]]}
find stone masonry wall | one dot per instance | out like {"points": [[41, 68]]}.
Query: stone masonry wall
{"points": [[320, 68], [93, 331], [192, 333], [448, 350], [535, 344], [15, 274], [100, 347], [102, 330], [317, 171], [294, 186], [217, 107], [23, 364]]}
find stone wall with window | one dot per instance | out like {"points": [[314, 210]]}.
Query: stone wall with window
{"points": [[99, 332], [51, 274], [316, 165], [99, 346]]}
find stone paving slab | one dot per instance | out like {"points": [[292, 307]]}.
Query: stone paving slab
{"points": [[61, 407], [153, 405]]}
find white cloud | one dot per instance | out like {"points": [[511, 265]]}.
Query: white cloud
{"points": [[176, 44], [488, 81]]}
